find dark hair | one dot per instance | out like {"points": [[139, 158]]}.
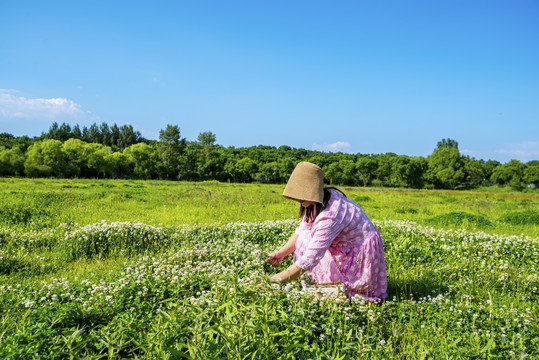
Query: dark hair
{"points": [[311, 212]]}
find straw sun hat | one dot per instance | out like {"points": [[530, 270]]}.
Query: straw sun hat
{"points": [[306, 183]]}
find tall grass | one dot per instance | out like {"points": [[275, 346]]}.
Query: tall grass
{"points": [[155, 269], [49, 202], [193, 294]]}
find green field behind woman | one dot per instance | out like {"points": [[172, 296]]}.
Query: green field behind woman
{"points": [[48, 202], [106, 269]]}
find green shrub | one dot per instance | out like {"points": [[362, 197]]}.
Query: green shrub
{"points": [[460, 219], [19, 214], [527, 217], [406, 211], [12, 262], [360, 198], [101, 239]]}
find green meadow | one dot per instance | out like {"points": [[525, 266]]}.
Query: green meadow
{"points": [[49, 202], [109, 269]]}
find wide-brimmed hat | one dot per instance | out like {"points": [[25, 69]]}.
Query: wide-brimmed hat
{"points": [[306, 183]]}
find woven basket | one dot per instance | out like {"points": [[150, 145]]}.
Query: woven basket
{"points": [[327, 289]]}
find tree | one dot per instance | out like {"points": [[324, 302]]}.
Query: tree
{"points": [[475, 172], [319, 159], [76, 133], [99, 162], [206, 138], [62, 132], [6, 139], [76, 157], [286, 165], [247, 168], [510, 173], [45, 159], [212, 163], [53, 130], [445, 168], [383, 173], [415, 173], [169, 148], [407, 171], [367, 167], [334, 173], [531, 174], [241, 169], [128, 136], [106, 135], [115, 135], [34, 166], [84, 132], [399, 169], [16, 159], [93, 134], [488, 169], [145, 159], [5, 161], [190, 162], [54, 157], [269, 172], [349, 172], [122, 166], [447, 143], [10, 141]]}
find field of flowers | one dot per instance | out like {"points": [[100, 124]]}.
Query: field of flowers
{"points": [[189, 291]]}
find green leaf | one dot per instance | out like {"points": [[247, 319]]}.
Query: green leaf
{"points": [[490, 345], [176, 353]]}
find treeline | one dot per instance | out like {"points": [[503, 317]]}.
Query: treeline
{"points": [[117, 137], [120, 152]]}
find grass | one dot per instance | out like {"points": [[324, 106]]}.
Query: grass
{"points": [[460, 219], [49, 202], [171, 271], [527, 217], [151, 202]]}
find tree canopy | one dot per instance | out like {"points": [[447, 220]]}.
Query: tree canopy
{"points": [[102, 151]]}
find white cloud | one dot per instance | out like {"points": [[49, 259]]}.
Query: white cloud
{"points": [[341, 146], [523, 151], [20, 108]]}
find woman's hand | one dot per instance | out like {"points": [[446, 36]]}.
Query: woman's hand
{"points": [[275, 258], [275, 278], [272, 278]]}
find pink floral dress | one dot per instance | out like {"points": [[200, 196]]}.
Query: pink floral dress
{"points": [[343, 245]]}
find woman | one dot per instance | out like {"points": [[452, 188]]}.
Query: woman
{"points": [[335, 241]]}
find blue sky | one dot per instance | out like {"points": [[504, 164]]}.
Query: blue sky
{"points": [[353, 76]]}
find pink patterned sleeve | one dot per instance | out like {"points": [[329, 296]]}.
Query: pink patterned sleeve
{"points": [[302, 226], [325, 229]]}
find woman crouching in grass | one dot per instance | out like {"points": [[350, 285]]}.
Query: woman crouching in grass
{"points": [[335, 242]]}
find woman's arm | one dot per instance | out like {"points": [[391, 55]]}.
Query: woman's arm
{"points": [[290, 246], [292, 273], [326, 227]]}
